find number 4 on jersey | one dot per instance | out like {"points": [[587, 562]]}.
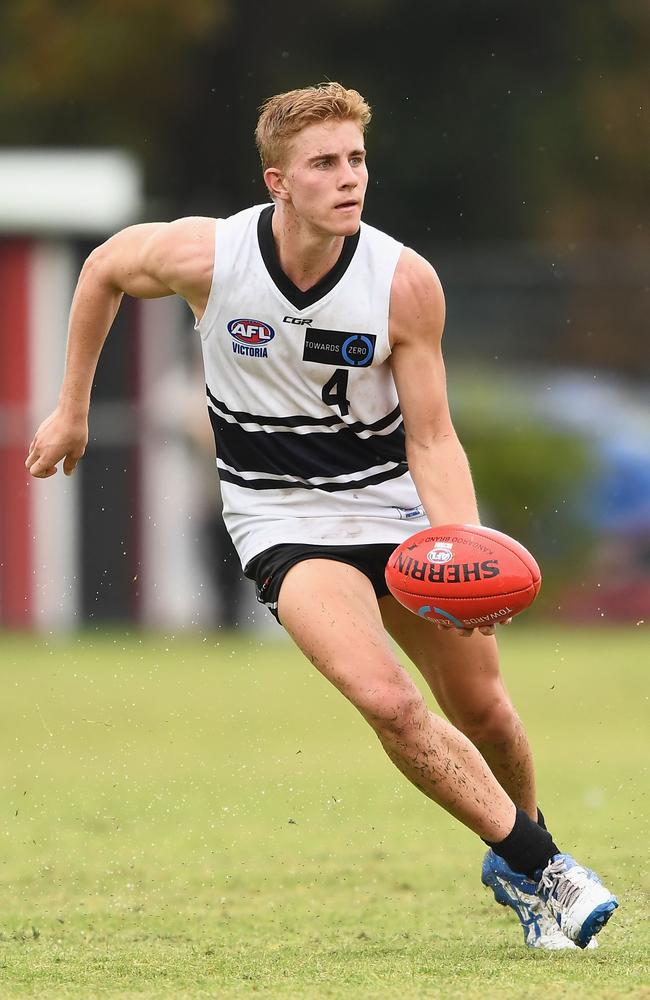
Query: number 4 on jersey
{"points": [[335, 391]]}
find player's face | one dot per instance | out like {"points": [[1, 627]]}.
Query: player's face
{"points": [[326, 176]]}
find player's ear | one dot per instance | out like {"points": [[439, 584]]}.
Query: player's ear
{"points": [[274, 180]]}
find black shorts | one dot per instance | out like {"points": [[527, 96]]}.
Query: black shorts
{"points": [[270, 567]]}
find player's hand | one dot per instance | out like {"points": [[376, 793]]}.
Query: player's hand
{"points": [[483, 629], [62, 435]]}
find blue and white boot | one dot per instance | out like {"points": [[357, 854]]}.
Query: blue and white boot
{"points": [[576, 897], [540, 927]]}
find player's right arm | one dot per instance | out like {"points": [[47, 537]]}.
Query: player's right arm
{"points": [[147, 261]]}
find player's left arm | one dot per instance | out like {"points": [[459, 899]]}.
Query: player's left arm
{"points": [[436, 459], [435, 456]]}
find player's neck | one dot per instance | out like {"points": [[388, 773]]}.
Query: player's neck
{"points": [[306, 254]]}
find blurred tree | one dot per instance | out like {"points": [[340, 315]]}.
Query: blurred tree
{"points": [[585, 145], [491, 120], [77, 72]]}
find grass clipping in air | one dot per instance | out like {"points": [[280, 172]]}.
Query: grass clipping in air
{"points": [[195, 817]]}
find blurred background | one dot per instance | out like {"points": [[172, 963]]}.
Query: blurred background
{"points": [[509, 145]]}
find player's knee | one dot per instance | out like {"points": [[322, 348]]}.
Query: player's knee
{"points": [[393, 706], [494, 723]]}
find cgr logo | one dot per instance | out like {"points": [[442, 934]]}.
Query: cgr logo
{"points": [[250, 331], [297, 321]]}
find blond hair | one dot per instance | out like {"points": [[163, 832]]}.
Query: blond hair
{"points": [[283, 116]]}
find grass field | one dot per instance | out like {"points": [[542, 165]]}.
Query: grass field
{"points": [[193, 817]]}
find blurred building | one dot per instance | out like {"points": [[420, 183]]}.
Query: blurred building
{"points": [[128, 537]]}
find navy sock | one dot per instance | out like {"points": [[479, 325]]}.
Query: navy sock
{"points": [[527, 848]]}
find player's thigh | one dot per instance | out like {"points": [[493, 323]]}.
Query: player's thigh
{"points": [[462, 671], [330, 610]]}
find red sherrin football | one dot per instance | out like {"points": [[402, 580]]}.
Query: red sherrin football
{"points": [[463, 574]]}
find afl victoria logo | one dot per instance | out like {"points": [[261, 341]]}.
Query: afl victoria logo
{"points": [[250, 331]]}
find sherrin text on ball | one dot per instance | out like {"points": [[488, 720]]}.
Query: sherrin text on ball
{"points": [[464, 575]]}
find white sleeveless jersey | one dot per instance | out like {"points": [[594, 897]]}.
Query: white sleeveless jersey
{"points": [[306, 419]]}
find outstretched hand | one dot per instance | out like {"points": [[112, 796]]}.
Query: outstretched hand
{"points": [[60, 436], [483, 629]]}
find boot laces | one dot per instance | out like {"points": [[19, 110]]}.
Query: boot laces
{"points": [[556, 882]]}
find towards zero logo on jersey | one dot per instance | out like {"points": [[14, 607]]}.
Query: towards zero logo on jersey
{"points": [[250, 331], [335, 347]]}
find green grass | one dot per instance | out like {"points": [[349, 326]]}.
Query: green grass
{"points": [[186, 817]]}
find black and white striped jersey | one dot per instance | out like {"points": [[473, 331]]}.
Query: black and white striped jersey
{"points": [[306, 419]]}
